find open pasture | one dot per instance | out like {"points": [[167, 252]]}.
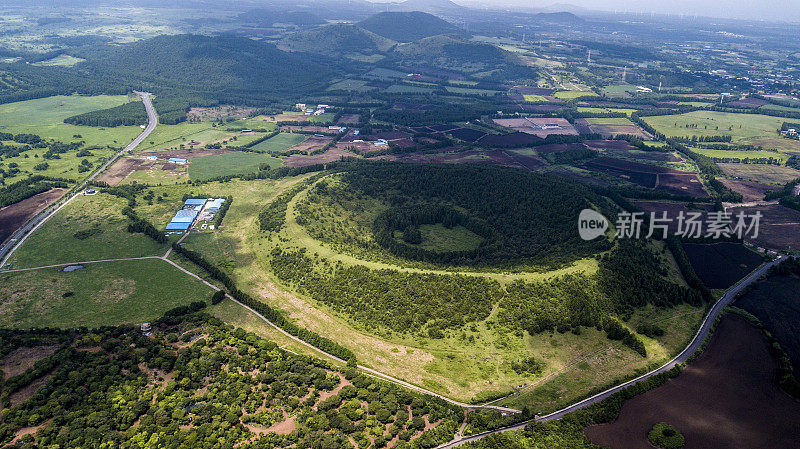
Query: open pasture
{"points": [[45, 117], [101, 294], [91, 227], [236, 163], [743, 128]]}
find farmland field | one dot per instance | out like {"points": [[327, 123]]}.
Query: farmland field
{"points": [[229, 164], [13, 216], [89, 228], [279, 143], [573, 94], [774, 302], [535, 98], [45, 117], [743, 128], [175, 136], [778, 226], [727, 398], [761, 173], [751, 191], [737, 154], [720, 265], [109, 293]]}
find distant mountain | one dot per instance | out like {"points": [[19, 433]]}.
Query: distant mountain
{"points": [[267, 17], [337, 39], [438, 6], [208, 64], [559, 17], [407, 26]]}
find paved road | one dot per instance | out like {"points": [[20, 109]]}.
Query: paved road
{"points": [[684, 355], [19, 236]]}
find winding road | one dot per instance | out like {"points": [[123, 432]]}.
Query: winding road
{"points": [[28, 228], [31, 225], [682, 357]]}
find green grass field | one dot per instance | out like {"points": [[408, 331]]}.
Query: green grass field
{"points": [[236, 163], [64, 167], [45, 117], [351, 85], [535, 99], [279, 143], [470, 91], [109, 293], [768, 174], [60, 61], [751, 129], [441, 239], [173, 136], [741, 154], [407, 89], [573, 94], [609, 121], [99, 216]]}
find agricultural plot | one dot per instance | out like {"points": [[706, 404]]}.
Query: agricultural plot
{"points": [[573, 94], [728, 397], [610, 127], [407, 89], [751, 129], [742, 154], [773, 301], [650, 176], [778, 226], [720, 265], [540, 127], [102, 294], [15, 215], [88, 228], [333, 154], [535, 98], [45, 117], [184, 135], [673, 209], [751, 191], [761, 173], [279, 143], [236, 163], [351, 85]]}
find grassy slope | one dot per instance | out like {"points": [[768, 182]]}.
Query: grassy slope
{"points": [[54, 241], [279, 143], [45, 117], [111, 293]]}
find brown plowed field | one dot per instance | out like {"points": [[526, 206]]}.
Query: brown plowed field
{"points": [[726, 399], [751, 191], [15, 215]]}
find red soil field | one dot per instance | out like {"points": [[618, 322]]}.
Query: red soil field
{"points": [[15, 215], [334, 154], [751, 191], [726, 399], [684, 184], [778, 227]]}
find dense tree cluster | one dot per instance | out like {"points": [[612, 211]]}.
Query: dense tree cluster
{"points": [[525, 218], [28, 187], [198, 383], [128, 114], [398, 300]]}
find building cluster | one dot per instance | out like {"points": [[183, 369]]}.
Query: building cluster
{"points": [[194, 211]]}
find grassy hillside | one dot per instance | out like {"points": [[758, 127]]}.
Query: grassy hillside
{"points": [[407, 26]]}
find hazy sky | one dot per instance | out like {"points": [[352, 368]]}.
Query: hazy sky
{"points": [[782, 10]]}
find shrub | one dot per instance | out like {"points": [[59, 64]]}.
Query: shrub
{"points": [[665, 436]]}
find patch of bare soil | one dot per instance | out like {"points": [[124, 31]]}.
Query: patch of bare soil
{"points": [[15, 215], [20, 396], [22, 359], [727, 398]]}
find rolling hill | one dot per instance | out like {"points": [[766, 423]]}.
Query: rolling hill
{"points": [[407, 26], [214, 65], [337, 39]]}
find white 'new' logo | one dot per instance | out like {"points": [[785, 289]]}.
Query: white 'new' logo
{"points": [[591, 224]]}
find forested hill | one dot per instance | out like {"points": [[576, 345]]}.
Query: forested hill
{"points": [[214, 65], [407, 26], [338, 38]]}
